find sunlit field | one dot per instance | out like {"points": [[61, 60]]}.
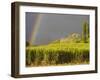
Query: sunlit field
{"points": [[56, 54]]}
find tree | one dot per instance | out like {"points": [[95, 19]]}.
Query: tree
{"points": [[85, 32], [27, 43]]}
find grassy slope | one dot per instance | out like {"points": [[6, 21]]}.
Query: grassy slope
{"points": [[78, 46]]}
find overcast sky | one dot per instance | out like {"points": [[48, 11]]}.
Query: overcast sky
{"points": [[53, 26]]}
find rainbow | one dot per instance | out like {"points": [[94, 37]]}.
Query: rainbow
{"points": [[35, 29]]}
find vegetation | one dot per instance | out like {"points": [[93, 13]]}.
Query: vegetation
{"points": [[27, 43], [71, 50], [55, 54], [85, 32]]}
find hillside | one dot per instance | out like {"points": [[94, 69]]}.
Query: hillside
{"points": [[72, 38]]}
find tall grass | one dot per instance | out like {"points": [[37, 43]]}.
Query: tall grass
{"points": [[57, 54]]}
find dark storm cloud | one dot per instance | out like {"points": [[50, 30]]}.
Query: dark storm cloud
{"points": [[30, 21], [55, 26]]}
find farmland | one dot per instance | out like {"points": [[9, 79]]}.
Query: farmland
{"points": [[60, 53]]}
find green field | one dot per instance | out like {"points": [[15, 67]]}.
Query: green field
{"points": [[55, 54]]}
